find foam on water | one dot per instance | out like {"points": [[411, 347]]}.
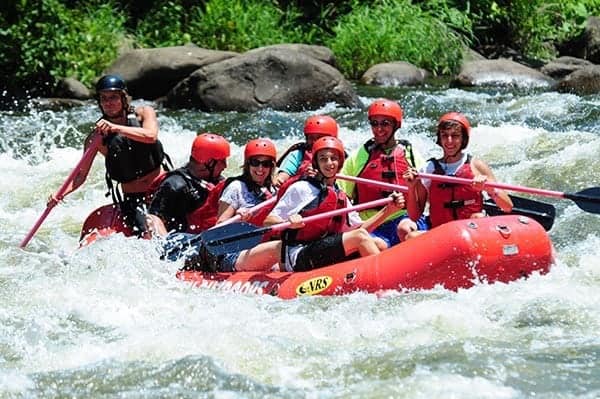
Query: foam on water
{"points": [[112, 320]]}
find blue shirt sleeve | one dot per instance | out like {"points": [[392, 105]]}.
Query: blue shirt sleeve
{"points": [[291, 163]]}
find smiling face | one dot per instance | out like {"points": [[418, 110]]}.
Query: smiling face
{"points": [[451, 140], [383, 128], [260, 168], [329, 163]]}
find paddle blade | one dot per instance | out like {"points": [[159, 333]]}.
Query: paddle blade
{"points": [[232, 237], [541, 212], [588, 199]]}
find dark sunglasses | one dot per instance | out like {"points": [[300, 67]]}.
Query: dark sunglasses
{"points": [[383, 123], [267, 163]]}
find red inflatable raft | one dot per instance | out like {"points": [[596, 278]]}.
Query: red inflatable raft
{"points": [[455, 255]]}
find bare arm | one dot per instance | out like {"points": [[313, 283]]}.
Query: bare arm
{"points": [[417, 194], [272, 219], [147, 133], [374, 221], [500, 197], [225, 212]]}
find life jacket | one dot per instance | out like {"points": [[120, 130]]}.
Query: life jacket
{"points": [[330, 198], [260, 194], [127, 160], [385, 168], [306, 157], [451, 201], [205, 216]]}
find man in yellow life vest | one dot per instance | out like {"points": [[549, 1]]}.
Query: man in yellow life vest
{"points": [[382, 158]]}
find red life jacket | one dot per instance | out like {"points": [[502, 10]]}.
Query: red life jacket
{"points": [[329, 199], [205, 217], [258, 218], [382, 167], [306, 157], [450, 201]]}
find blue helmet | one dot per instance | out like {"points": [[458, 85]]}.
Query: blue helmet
{"points": [[110, 83]]}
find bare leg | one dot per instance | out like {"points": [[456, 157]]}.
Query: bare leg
{"points": [[359, 240], [260, 258], [407, 229], [381, 244]]}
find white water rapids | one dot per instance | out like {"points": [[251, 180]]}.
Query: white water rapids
{"points": [[111, 320]]}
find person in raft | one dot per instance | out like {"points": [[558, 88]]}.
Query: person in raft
{"points": [[187, 199], [382, 158], [298, 158], [134, 157], [253, 186], [317, 244], [331, 240], [449, 201]]}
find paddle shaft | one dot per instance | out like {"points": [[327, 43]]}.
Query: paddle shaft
{"points": [[504, 186], [309, 219], [255, 208], [377, 183], [588, 199], [542, 212], [87, 155]]}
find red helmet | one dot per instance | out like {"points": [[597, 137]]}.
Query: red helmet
{"points": [[328, 143], [384, 107], [208, 146], [321, 124], [461, 120], [258, 147]]}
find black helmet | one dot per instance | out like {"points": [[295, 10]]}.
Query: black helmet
{"points": [[110, 82]]}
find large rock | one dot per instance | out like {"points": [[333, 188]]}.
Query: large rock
{"points": [[264, 78], [562, 66], [72, 88], [151, 73], [583, 81], [501, 72], [321, 53], [398, 73]]}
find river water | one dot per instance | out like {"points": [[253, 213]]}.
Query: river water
{"points": [[111, 320]]}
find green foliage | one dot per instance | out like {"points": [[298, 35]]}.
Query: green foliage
{"points": [[45, 40], [531, 26], [164, 26], [394, 31], [239, 25], [49, 41]]}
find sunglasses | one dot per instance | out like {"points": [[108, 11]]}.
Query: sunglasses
{"points": [[383, 123], [267, 163]]}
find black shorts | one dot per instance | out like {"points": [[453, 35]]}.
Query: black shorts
{"points": [[322, 252]]}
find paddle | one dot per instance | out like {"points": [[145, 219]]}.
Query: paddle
{"points": [[239, 236], [87, 155], [255, 208], [542, 212], [588, 199]]}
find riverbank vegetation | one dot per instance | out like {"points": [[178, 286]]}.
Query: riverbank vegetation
{"points": [[42, 41]]}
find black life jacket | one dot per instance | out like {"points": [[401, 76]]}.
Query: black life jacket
{"points": [[127, 159]]}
